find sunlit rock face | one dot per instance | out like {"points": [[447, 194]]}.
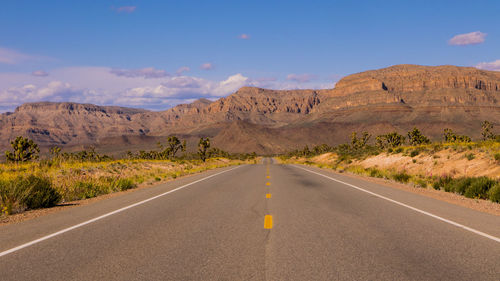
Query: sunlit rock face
{"points": [[270, 121]]}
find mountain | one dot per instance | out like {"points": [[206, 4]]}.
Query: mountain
{"points": [[269, 121]]}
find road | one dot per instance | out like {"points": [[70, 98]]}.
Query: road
{"points": [[257, 222]]}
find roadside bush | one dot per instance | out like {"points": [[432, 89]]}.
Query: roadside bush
{"points": [[27, 192], [124, 184], [494, 193], [420, 183], [441, 182], [401, 177], [479, 188], [83, 190], [468, 186], [375, 173], [458, 185]]}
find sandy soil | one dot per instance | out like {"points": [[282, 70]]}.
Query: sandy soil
{"points": [[444, 162]]}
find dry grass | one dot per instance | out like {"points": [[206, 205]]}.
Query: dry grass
{"points": [[80, 180]]}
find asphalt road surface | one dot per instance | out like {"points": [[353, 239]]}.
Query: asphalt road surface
{"points": [[257, 222]]}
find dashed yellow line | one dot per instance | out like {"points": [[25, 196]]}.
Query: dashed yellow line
{"points": [[268, 195], [268, 183], [268, 177], [268, 222]]}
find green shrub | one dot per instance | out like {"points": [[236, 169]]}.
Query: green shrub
{"points": [[470, 156], [399, 150], [414, 161], [421, 183], [83, 190], [479, 188], [124, 184], [414, 153], [375, 173], [401, 177], [458, 185], [40, 193], [441, 182], [27, 192], [494, 193], [497, 156]]}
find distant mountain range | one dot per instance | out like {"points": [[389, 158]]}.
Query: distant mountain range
{"points": [[272, 121]]}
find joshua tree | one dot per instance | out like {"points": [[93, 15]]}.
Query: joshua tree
{"points": [[203, 147], [359, 143], [390, 140], [174, 144], [415, 137], [487, 131], [450, 136], [24, 150]]}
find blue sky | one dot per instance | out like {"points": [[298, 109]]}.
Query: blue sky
{"points": [[155, 54]]}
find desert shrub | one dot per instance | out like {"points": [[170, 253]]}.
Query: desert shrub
{"points": [[375, 173], [479, 188], [458, 185], [441, 182], [470, 156], [401, 177], [83, 190], [40, 193], [414, 161], [497, 156], [420, 183], [27, 192], [494, 193], [414, 153], [399, 150], [124, 184]]}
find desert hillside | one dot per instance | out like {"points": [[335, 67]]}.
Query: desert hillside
{"points": [[272, 121]]}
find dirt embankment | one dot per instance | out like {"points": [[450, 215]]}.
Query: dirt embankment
{"points": [[450, 162]]}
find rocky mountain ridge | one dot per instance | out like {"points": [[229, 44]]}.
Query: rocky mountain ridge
{"points": [[270, 121]]}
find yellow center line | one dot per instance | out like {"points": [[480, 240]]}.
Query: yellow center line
{"points": [[268, 183], [268, 195], [268, 222], [268, 177]]}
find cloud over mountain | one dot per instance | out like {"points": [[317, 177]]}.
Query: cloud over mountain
{"points": [[494, 65]]}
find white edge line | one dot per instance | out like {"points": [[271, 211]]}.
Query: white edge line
{"points": [[407, 206], [106, 215]]}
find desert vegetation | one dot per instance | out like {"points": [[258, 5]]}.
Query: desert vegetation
{"points": [[456, 164], [28, 181]]}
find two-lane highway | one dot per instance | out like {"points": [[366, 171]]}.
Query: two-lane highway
{"points": [[257, 222]]}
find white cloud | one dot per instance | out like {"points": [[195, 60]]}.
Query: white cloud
{"points": [[494, 65], [182, 69], [53, 91], [301, 78], [207, 66], [148, 72], [472, 38], [97, 85]]}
